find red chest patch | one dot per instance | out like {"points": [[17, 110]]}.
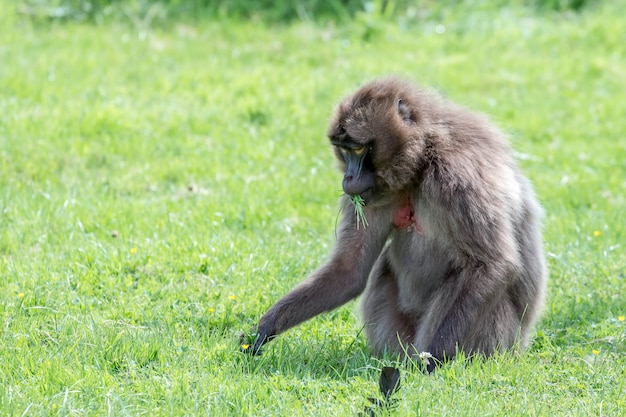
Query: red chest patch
{"points": [[405, 218]]}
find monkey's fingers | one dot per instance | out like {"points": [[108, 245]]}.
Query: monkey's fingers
{"points": [[252, 343], [246, 343], [246, 348]]}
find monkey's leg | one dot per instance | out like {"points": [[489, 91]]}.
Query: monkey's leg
{"points": [[386, 327], [471, 312], [498, 329]]}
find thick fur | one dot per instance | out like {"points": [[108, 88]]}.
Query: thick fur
{"points": [[468, 272]]}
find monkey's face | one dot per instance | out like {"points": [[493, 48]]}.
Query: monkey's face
{"points": [[373, 133], [359, 173]]}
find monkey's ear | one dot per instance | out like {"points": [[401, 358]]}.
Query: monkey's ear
{"points": [[404, 111]]}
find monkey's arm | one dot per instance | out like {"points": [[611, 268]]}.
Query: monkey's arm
{"points": [[342, 278]]}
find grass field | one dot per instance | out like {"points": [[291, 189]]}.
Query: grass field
{"points": [[163, 183]]}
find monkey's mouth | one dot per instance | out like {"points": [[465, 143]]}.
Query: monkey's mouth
{"points": [[366, 195]]}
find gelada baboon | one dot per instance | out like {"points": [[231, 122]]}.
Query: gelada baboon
{"points": [[451, 258]]}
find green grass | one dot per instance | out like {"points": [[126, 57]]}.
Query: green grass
{"points": [[161, 186], [359, 203]]}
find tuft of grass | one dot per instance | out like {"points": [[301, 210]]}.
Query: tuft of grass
{"points": [[359, 203]]}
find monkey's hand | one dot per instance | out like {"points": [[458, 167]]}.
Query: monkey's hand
{"points": [[252, 342]]}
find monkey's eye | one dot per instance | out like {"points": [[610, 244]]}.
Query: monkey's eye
{"points": [[359, 151]]}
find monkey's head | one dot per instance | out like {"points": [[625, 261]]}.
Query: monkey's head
{"points": [[377, 138]]}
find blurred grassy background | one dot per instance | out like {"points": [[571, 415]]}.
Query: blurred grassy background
{"points": [[281, 10]]}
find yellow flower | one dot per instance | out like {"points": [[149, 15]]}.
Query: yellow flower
{"points": [[245, 347], [597, 233], [21, 295], [211, 310], [133, 250], [621, 318], [231, 297], [595, 352]]}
